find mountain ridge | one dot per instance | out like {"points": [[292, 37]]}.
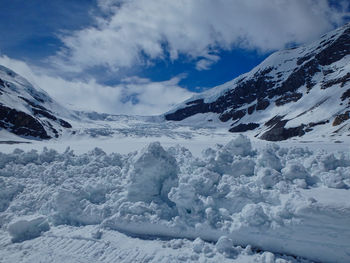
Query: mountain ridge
{"points": [[303, 91], [27, 111], [286, 77]]}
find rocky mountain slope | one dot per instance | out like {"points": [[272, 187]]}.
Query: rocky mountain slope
{"points": [[299, 91], [27, 111]]}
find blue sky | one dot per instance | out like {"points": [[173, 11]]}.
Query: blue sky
{"points": [[32, 36], [28, 28], [124, 53]]}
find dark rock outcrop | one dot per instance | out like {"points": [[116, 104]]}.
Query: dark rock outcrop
{"points": [[345, 95], [2, 83], [41, 111], [289, 97], [244, 127], [278, 132], [342, 81], [21, 123], [339, 119], [24, 110], [244, 93]]}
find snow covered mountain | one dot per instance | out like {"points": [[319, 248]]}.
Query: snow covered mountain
{"points": [[27, 111], [294, 92], [303, 91], [117, 188]]}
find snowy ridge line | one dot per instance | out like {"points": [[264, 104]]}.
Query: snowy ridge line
{"points": [[28, 111], [286, 200], [275, 101]]}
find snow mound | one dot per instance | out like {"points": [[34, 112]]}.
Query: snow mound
{"points": [[152, 175], [285, 200], [29, 228]]}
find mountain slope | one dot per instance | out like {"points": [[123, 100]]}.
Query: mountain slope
{"points": [[294, 92], [27, 111]]}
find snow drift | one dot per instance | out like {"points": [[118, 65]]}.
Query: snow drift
{"points": [[291, 201]]}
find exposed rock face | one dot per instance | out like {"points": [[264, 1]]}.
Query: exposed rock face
{"points": [[244, 127], [289, 97], [25, 111], [339, 119], [278, 132], [21, 123], [294, 80], [345, 95], [244, 93]]}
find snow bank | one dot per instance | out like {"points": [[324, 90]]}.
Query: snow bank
{"points": [[274, 198]]}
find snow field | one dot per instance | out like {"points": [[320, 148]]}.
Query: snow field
{"points": [[285, 200]]}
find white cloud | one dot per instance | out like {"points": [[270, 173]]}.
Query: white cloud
{"points": [[134, 96], [137, 30], [206, 62]]}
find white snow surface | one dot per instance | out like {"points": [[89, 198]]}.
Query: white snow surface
{"points": [[237, 201]]}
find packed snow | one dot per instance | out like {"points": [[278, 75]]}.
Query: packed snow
{"points": [[233, 203]]}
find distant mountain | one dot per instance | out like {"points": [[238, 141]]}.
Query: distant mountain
{"points": [[304, 90], [27, 111]]}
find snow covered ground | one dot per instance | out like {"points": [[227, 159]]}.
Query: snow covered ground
{"points": [[123, 134], [226, 199], [78, 244]]}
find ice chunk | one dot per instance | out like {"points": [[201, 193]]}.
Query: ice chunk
{"points": [[243, 166], [254, 215], [268, 158], [71, 208], [224, 245], [28, 228], [333, 179], [183, 196], [198, 245], [239, 146], [294, 170], [233, 158], [268, 177], [153, 173], [8, 190], [267, 257]]}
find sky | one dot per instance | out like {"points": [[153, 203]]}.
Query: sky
{"points": [[144, 56]]}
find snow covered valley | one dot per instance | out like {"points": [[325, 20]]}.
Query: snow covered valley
{"points": [[179, 187], [237, 201]]}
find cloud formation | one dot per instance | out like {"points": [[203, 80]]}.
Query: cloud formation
{"points": [[135, 32], [129, 33], [134, 96]]}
